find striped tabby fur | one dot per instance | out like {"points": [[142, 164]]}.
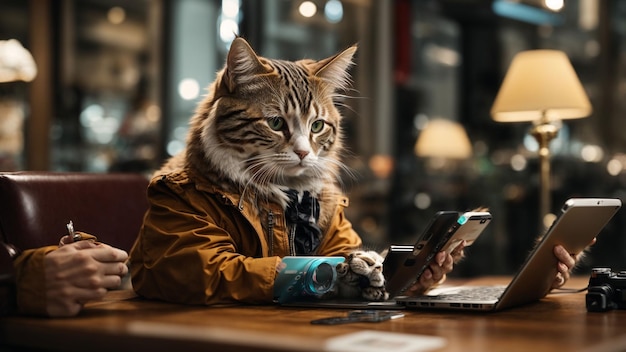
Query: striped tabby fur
{"points": [[361, 276], [269, 125]]}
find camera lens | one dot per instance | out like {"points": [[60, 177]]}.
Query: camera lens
{"points": [[596, 302], [323, 277], [599, 298]]}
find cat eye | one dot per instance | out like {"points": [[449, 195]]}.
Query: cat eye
{"points": [[317, 126], [276, 123]]}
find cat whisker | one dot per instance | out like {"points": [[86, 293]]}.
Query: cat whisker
{"points": [[336, 172], [341, 105], [265, 171], [340, 167]]}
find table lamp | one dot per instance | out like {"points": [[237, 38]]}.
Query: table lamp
{"points": [[541, 86], [443, 138]]}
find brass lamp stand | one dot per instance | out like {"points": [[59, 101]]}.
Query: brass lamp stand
{"points": [[544, 132]]}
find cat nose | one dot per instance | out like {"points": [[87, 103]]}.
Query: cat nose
{"points": [[301, 153]]}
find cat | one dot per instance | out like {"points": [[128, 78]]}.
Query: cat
{"points": [[361, 276], [270, 130]]}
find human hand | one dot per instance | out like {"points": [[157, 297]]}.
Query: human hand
{"points": [[437, 270], [280, 266], [566, 263], [78, 272]]}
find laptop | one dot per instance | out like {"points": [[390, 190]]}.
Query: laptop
{"points": [[580, 220]]}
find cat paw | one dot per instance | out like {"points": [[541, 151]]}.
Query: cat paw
{"points": [[342, 269], [375, 294]]}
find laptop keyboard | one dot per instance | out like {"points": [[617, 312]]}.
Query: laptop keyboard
{"points": [[471, 293]]}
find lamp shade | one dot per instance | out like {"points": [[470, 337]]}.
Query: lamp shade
{"points": [[540, 85], [443, 138], [16, 63]]}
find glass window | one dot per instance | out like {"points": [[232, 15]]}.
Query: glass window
{"points": [[109, 116]]}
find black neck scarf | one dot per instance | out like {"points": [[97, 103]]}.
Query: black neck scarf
{"points": [[303, 216]]}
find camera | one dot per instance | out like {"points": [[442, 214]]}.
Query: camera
{"points": [[606, 290], [305, 277]]}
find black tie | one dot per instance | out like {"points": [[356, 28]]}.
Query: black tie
{"points": [[304, 216]]}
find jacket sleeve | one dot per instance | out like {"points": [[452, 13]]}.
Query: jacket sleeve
{"points": [[340, 239], [22, 283], [185, 254], [30, 281]]}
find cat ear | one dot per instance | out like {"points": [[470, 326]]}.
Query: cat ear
{"points": [[242, 63], [334, 69]]}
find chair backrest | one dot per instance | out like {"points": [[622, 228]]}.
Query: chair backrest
{"points": [[36, 206]]}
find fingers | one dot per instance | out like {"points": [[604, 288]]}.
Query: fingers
{"points": [[105, 253], [97, 281], [416, 289], [63, 309], [68, 301], [89, 272], [448, 263], [74, 295], [566, 263], [564, 257], [560, 279], [85, 272], [458, 253], [429, 278], [99, 251], [116, 269], [436, 272]]}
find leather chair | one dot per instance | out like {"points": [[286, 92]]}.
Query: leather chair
{"points": [[36, 206]]}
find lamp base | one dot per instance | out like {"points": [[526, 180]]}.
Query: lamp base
{"points": [[544, 132]]}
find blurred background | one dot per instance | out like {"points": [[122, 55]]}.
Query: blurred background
{"points": [[111, 85]]}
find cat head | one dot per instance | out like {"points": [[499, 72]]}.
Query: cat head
{"points": [[366, 263], [272, 124]]}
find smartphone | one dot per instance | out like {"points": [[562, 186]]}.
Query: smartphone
{"points": [[467, 228], [360, 316], [403, 265]]}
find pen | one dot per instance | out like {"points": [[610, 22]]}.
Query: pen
{"points": [[72, 235]]}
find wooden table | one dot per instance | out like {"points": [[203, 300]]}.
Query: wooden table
{"points": [[559, 322]]}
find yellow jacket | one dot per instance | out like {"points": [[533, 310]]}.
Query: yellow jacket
{"points": [[201, 245], [30, 281]]}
